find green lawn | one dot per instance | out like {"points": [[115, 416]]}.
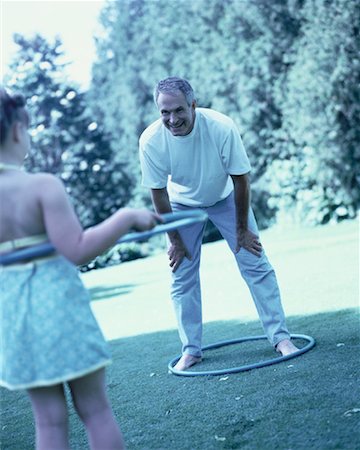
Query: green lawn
{"points": [[309, 402]]}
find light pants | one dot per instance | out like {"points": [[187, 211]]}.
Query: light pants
{"points": [[256, 271]]}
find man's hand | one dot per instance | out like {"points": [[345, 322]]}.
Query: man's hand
{"points": [[244, 237], [249, 241], [177, 252]]}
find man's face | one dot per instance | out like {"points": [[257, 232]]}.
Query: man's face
{"points": [[177, 116]]}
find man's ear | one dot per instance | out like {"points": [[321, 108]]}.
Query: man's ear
{"points": [[193, 104]]}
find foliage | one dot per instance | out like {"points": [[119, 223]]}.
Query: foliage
{"points": [[287, 72], [118, 254], [264, 64], [321, 107], [66, 141]]}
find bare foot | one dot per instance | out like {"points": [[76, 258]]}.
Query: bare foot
{"points": [[187, 361], [286, 347]]}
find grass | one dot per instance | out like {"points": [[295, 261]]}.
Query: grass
{"points": [[309, 402]]}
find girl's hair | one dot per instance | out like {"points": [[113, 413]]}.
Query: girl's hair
{"points": [[173, 84], [12, 109]]}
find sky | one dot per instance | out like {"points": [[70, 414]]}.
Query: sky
{"points": [[75, 22]]}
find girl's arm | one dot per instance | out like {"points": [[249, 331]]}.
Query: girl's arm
{"points": [[66, 233]]}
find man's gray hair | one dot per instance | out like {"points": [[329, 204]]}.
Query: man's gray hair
{"points": [[171, 85]]}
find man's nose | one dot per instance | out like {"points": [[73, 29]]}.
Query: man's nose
{"points": [[172, 118]]}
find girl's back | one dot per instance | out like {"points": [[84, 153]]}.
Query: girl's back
{"points": [[20, 204]]}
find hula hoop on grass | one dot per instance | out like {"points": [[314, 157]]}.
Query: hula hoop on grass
{"points": [[268, 362], [172, 221]]}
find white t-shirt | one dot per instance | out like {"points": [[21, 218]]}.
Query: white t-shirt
{"points": [[195, 168]]}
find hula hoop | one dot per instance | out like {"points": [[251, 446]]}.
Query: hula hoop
{"points": [[172, 221], [268, 362]]}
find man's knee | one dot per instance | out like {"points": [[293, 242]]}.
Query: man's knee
{"points": [[248, 262], [185, 279]]}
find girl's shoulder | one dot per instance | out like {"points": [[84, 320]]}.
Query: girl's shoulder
{"points": [[44, 185], [44, 179], [27, 181]]}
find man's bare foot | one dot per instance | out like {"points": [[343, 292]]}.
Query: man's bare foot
{"points": [[286, 347], [187, 361]]}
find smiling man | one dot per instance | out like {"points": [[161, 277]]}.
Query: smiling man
{"points": [[194, 158]]}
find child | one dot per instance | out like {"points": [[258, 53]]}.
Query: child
{"points": [[49, 335]]}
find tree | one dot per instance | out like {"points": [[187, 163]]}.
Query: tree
{"points": [[233, 60], [277, 68], [66, 140], [321, 107]]}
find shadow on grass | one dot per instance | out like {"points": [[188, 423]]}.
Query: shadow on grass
{"points": [[309, 402], [99, 293]]}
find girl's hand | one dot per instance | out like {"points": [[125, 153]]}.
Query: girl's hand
{"points": [[145, 220]]}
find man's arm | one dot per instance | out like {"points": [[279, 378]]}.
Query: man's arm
{"points": [[177, 250], [245, 238]]}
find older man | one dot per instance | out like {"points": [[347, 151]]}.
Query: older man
{"points": [[194, 158]]}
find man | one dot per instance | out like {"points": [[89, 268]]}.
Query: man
{"points": [[194, 158]]}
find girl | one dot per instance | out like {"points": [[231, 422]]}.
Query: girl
{"points": [[49, 335]]}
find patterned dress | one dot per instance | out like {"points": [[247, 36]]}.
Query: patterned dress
{"points": [[48, 333]]}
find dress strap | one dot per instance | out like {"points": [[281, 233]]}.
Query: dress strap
{"points": [[23, 242]]}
